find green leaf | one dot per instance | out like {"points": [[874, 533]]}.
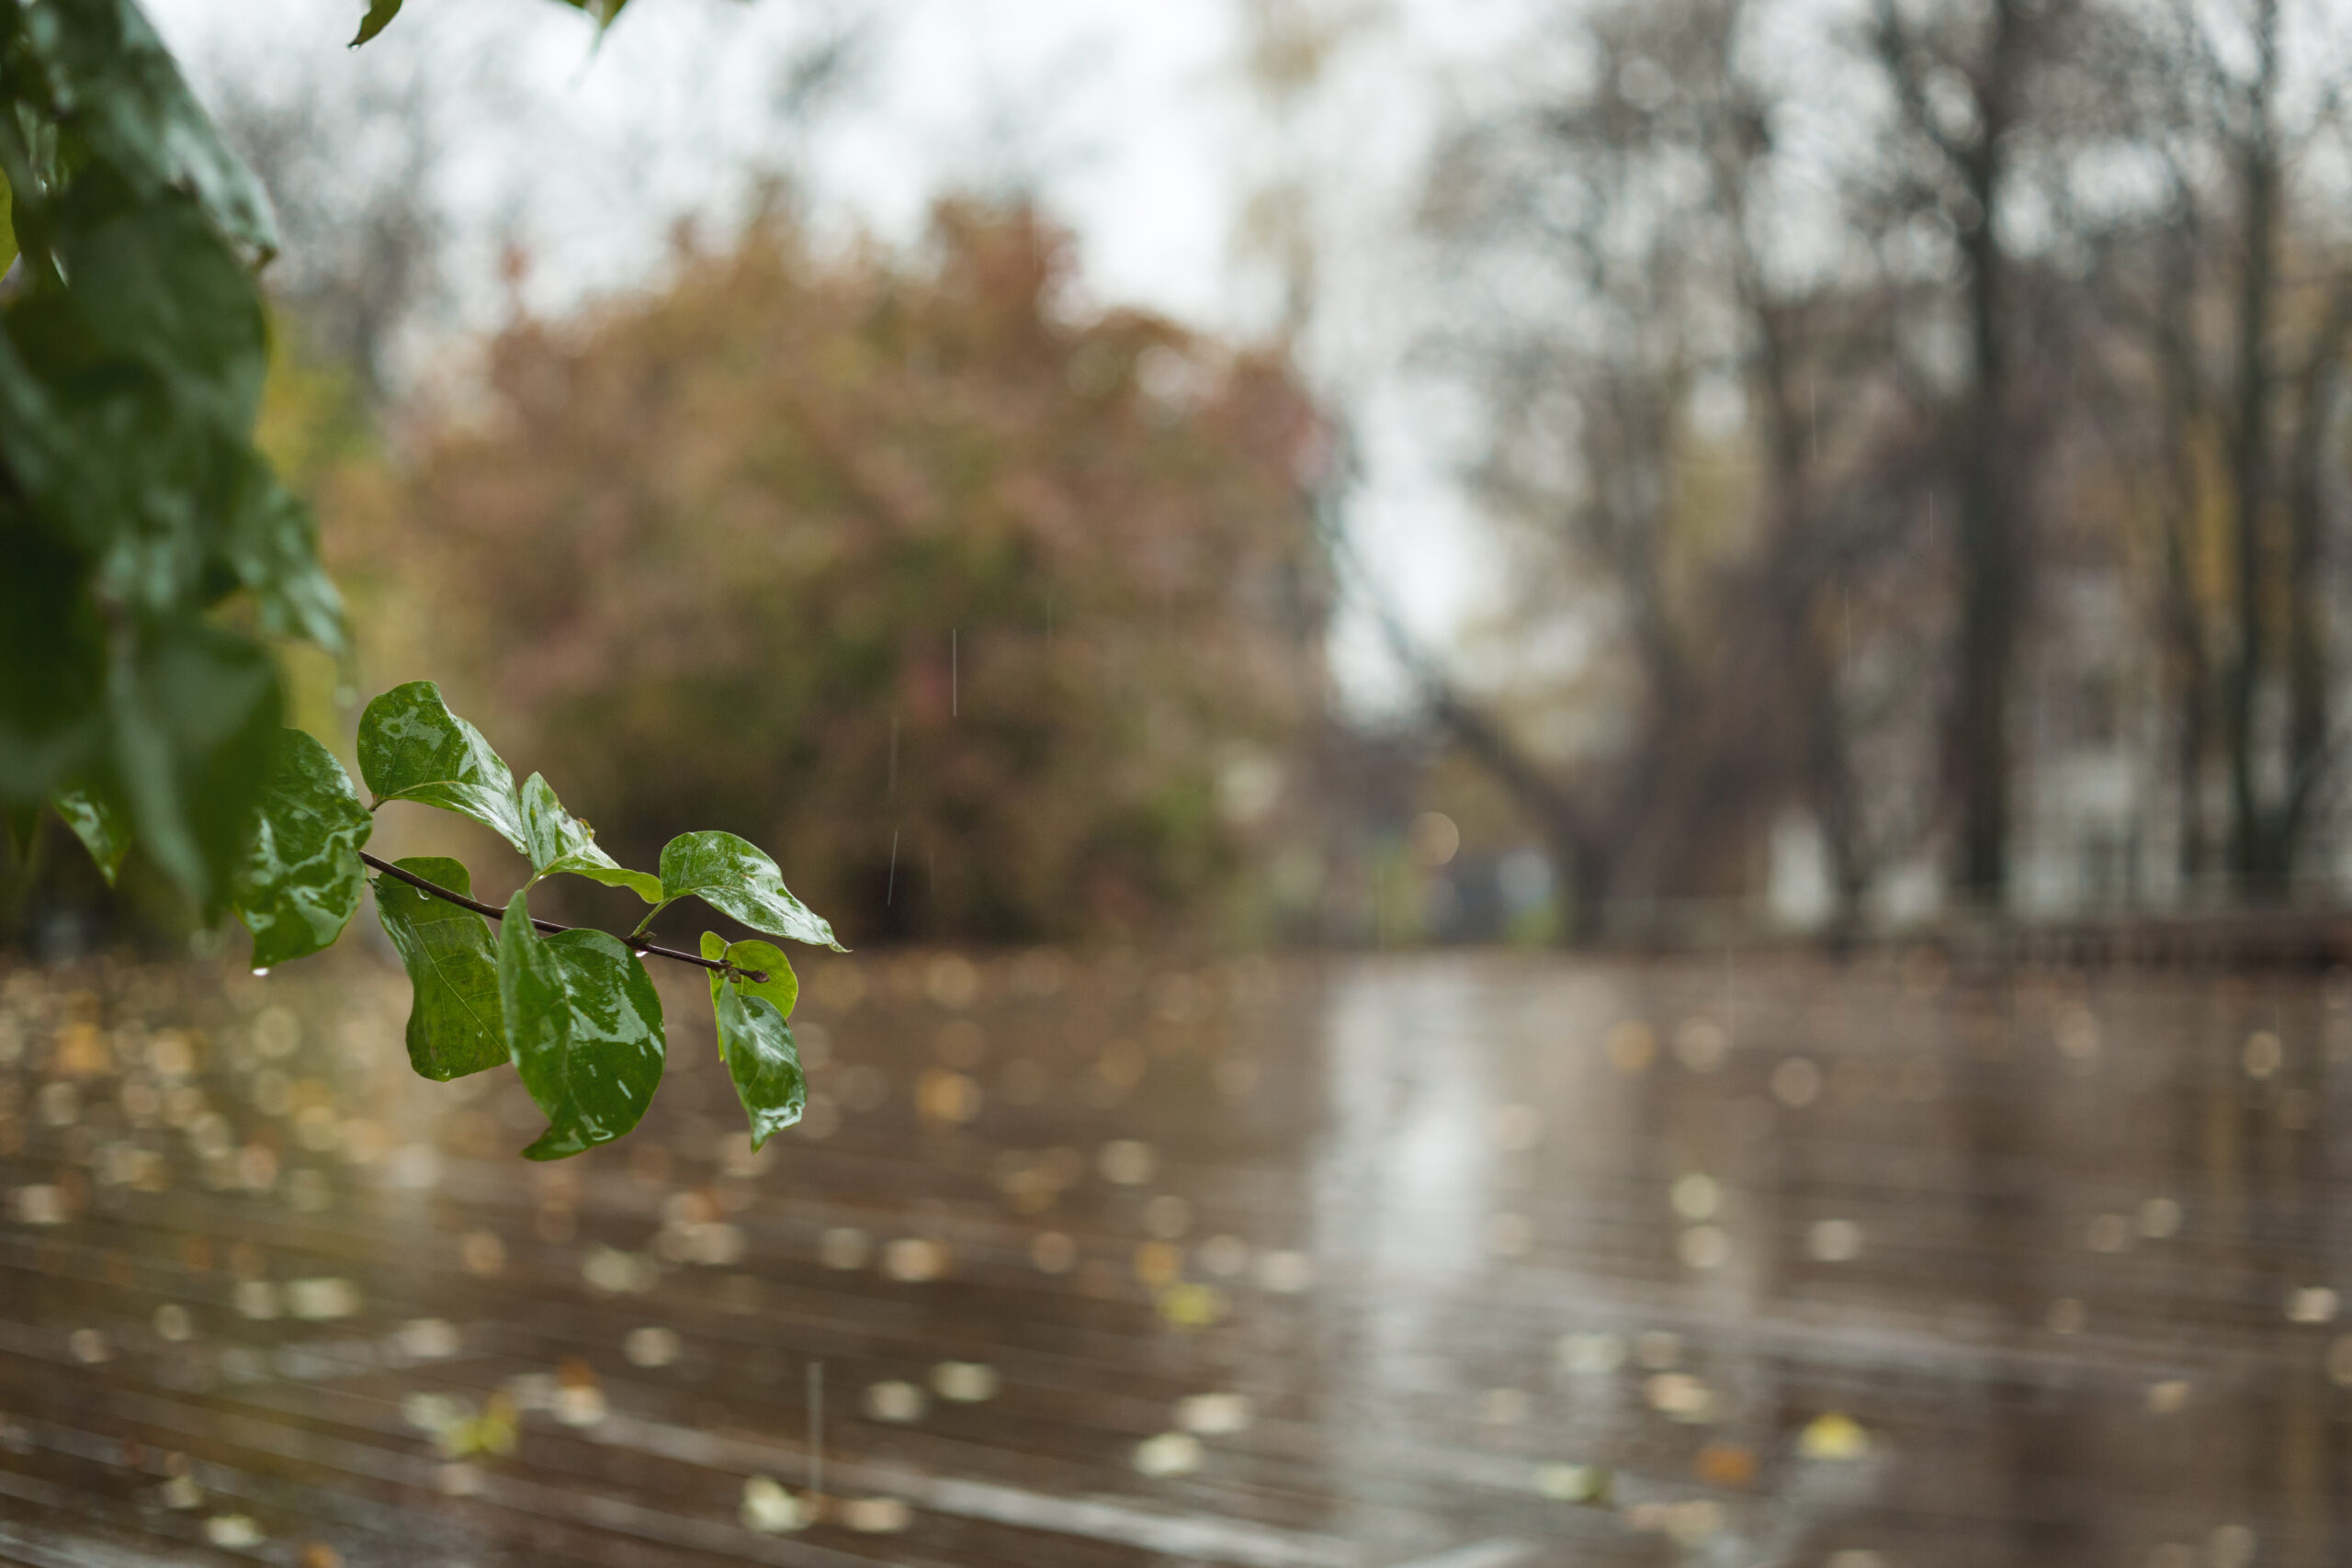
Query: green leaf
{"points": [[110, 76], [584, 1027], [193, 714], [269, 543], [456, 1025], [558, 841], [153, 281], [24, 831], [606, 12], [782, 987], [761, 1058], [412, 748], [113, 466], [735, 878], [754, 1037], [7, 225], [302, 882], [98, 822], [53, 659], [380, 17]]}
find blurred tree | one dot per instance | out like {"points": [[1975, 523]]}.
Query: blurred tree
{"points": [[965, 605], [1984, 94], [2233, 294], [1708, 460]]}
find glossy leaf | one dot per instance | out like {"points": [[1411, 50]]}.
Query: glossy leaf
{"points": [[98, 822], [153, 281], [193, 714], [756, 1033], [269, 542], [380, 17], [780, 988], [557, 841], [736, 878], [115, 466], [24, 831], [762, 1059], [301, 881], [105, 65], [52, 658], [584, 1027], [606, 12], [412, 748], [456, 1025]]}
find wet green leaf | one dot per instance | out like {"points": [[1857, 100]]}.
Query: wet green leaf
{"points": [[762, 1059], [754, 1033], [105, 66], [7, 225], [98, 822], [192, 713], [52, 655], [735, 878], [153, 281], [782, 987], [606, 11], [584, 1027], [302, 882], [24, 829], [412, 748], [380, 17], [557, 841], [269, 542], [454, 1023]]}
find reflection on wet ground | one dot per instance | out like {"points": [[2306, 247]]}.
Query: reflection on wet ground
{"points": [[1444, 1260]]}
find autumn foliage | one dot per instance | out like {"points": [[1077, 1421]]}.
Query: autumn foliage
{"points": [[964, 605]]}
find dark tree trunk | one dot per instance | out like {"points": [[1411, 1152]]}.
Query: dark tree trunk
{"points": [[2254, 851], [1991, 574]]}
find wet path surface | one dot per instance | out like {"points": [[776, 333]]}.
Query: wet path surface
{"points": [[1447, 1261]]}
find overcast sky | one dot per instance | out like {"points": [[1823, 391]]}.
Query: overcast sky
{"points": [[1133, 119]]}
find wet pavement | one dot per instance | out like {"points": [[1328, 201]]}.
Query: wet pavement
{"points": [[1437, 1261]]}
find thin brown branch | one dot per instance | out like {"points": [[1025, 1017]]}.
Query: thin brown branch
{"points": [[641, 944]]}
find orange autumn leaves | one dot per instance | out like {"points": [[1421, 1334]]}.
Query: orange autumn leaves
{"points": [[961, 600]]}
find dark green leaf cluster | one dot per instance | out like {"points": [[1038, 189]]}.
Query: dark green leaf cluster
{"points": [[152, 553], [574, 1011]]}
